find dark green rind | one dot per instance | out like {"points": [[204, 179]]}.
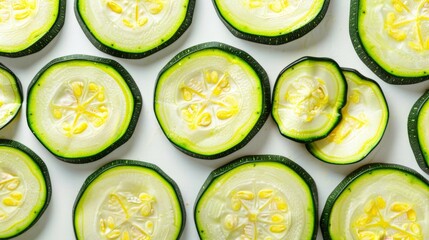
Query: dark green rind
{"points": [[124, 162], [413, 132], [366, 169], [265, 85], [43, 169], [362, 77], [344, 101], [45, 39], [366, 58], [257, 159], [129, 55], [137, 98], [20, 92], [275, 40]]}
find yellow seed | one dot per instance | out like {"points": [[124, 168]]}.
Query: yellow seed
{"points": [[80, 128], [145, 197], [1, 102], [400, 207], [205, 120], [213, 77], [113, 234], [23, 15], [369, 206], [276, 7], [14, 184], [277, 218], [19, 6], [278, 228], [149, 226], [415, 228], [143, 21], [355, 97], [236, 204], [363, 221], [102, 225], [245, 195], [367, 235], [400, 235], [380, 203], [281, 204], [390, 19], [157, 9], [146, 209], [10, 202], [77, 88], [3, 215], [187, 95], [17, 195], [100, 96], [255, 4], [110, 222], [223, 114], [230, 222], [265, 193], [93, 87], [114, 7], [397, 35], [411, 215], [127, 23], [125, 236], [57, 113], [32, 3]]}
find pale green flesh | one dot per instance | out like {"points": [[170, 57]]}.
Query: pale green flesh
{"points": [[199, 114], [256, 201], [22, 191], [381, 204], [10, 98], [71, 117], [422, 131], [128, 201]]}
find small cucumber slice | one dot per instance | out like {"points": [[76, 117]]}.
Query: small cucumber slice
{"points": [[418, 131], [271, 22], [392, 38], [378, 201], [133, 29], [363, 123], [308, 97], [10, 95], [82, 107], [25, 188], [257, 197], [211, 99], [27, 26], [128, 199]]}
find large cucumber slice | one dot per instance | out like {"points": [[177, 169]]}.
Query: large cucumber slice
{"points": [[418, 131], [25, 188], [128, 199], [10, 95], [392, 38], [271, 22], [27, 26], [211, 99], [257, 197], [378, 201], [308, 97], [82, 107], [363, 123], [133, 29]]}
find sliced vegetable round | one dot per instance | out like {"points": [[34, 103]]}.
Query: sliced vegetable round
{"points": [[418, 131], [128, 199], [10, 95], [134, 29], [28, 26], [211, 99], [271, 22], [82, 107], [392, 38], [25, 188], [308, 97], [363, 123], [257, 197], [378, 201]]}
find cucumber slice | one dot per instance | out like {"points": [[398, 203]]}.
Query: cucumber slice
{"points": [[211, 99], [418, 131], [25, 188], [308, 97], [364, 121], [258, 197], [128, 199], [82, 107], [271, 22], [27, 26], [133, 29], [10, 96], [378, 201], [392, 38]]}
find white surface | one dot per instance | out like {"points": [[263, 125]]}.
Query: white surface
{"points": [[329, 39]]}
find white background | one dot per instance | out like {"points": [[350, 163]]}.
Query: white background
{"points": [[329, 39]]}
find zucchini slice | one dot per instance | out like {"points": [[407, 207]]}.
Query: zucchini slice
{"points": [[258, 197], [83, 107], [133, 29], [363, 123], [308, 97], [271, 22], [10, 95], [392, 38], [128, 199], [378, 201], [418, 131], [211, 99], [27, 26], [25, 188]]}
